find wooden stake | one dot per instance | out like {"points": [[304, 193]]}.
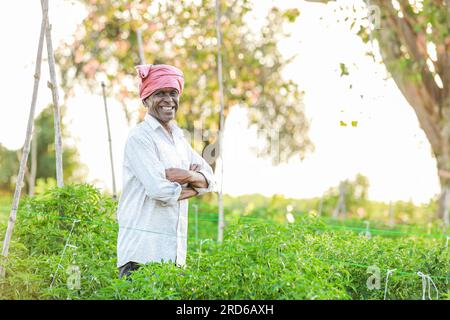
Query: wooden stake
{"points": [[26, 148], [196, 222], [54, 87], [391, 214], [140, 46], [221, 123], [139, 37], [341, 202], [32, 180], [110, 143], [320, 205]]}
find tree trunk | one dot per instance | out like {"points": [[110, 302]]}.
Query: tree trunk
{"points": [[443, 205], [444, 198], [430, 102]]}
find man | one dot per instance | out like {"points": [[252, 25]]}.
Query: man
{"points": [[160, 172]]}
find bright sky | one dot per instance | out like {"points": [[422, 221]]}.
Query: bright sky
{"points": [[387, 145]]}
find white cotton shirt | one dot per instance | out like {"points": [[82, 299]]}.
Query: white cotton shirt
{"points": [[153, 224]]}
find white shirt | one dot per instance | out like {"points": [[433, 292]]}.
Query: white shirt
{"points": [[152, 222]]}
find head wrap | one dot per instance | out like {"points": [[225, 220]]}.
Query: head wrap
{"points": [[158, 76]]}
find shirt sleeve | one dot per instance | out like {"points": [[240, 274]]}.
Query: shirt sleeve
{"points": [[142, 159], [205, 170]]}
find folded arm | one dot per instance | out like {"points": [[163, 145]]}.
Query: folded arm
{"points": [[193, 178], [190, 177], [203, 180], [143, 161], [199, 177], [187, 192]]}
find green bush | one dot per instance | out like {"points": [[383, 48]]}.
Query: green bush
{"points": [[43, 225], [258, 259]]}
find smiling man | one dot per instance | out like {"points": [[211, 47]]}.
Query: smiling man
{"points": [[160, 172]]}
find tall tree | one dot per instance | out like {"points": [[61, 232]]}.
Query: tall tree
{"points": [[182, 33], [9, 167], [45, 145], [74, 171], [414, 42]]}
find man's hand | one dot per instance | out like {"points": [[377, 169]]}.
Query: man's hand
{"points": [[191, 176], [179, 175], [187, 192], [198, 180], [195, 167]]}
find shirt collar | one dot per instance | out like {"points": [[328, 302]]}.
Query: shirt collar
{"points": [[154, 124]]}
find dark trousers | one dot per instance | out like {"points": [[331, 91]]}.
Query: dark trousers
{"points": [[127, 268]]}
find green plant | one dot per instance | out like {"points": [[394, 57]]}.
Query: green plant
{"points": [[259, 258]]}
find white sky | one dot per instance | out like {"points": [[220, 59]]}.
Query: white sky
{"points": [[387, 145]]}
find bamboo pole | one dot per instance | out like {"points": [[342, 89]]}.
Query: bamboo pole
{"points": [[110, 142], [138, 36], [341, 202], [320, 205], [140, 46], [26, 148], [53, 85], [19, 156], [221, 123], [33, 168], [391, 214], [196, 222]]}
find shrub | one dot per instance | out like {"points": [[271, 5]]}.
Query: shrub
{"points": [[258, 259]]}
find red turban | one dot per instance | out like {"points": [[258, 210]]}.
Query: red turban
{"points": [[158, 76]]}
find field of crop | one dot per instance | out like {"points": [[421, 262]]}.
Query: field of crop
{"points": [[64, 248], [5, 206]]}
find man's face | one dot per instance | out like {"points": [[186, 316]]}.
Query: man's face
{"points": [[163, 104]]}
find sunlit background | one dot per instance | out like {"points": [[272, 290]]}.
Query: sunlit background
{"points": [[387, 144]]}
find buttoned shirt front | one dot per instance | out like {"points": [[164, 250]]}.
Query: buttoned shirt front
{"points": [[153, 223]]}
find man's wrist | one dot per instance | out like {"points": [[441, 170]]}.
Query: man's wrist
{"points": [[193, 176], [189, 187], [188, 192]]}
